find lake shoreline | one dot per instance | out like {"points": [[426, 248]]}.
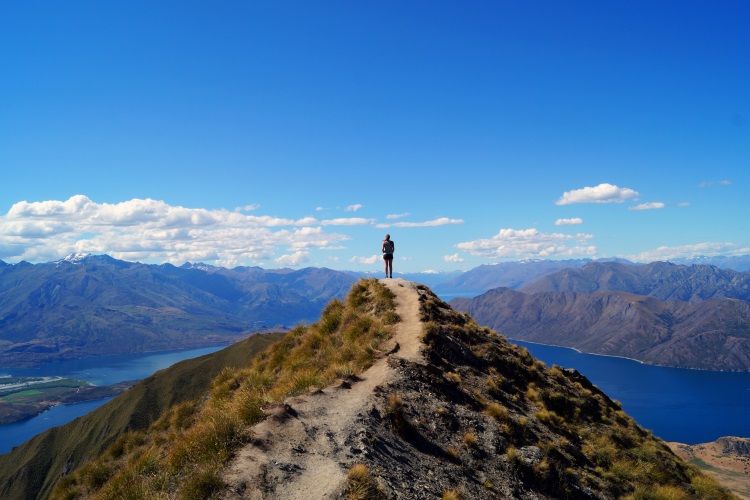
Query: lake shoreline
{"points": [[100, 373], [28, 365], [639, 361], [14, 412], [676, 404]]}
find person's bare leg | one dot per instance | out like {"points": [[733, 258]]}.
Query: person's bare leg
{"points": [[386, 267], [390, 268]]}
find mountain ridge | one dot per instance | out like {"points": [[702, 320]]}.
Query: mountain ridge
{"points": [[711, 335], [662, 280], [100, 305]]}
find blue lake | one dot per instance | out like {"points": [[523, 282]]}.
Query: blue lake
{"points": [[103, 370], [690, 406]]}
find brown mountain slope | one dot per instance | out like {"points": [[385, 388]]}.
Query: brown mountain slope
{"points": [[434, 406], [727, 459], [712, 334]]}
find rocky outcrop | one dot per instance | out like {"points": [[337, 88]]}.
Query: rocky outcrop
{"points": [[736, 446]]}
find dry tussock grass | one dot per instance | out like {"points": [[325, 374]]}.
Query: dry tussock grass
{"points": [[182, 454]]}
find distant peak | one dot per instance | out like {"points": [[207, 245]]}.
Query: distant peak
{"points": [[74, 258], [200, 266]]}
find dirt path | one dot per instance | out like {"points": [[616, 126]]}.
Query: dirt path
{"points": [[298, 451]]}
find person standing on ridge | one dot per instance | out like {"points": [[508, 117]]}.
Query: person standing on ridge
{"points": [[388, 248]]}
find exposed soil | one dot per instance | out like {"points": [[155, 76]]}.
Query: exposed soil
{"points": [[727, 459]]}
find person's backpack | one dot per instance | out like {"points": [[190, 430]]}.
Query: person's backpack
{"points": [[389, 246]]}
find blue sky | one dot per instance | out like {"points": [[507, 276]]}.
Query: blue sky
{"points": [[472, 117]]}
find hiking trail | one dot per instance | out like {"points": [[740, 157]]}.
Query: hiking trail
{"points": [[299, 452]]}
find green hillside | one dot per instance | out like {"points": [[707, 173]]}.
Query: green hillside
{"points": [[31, 470]]}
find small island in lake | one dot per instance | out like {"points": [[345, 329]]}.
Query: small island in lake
{"points": [[25, 397]]}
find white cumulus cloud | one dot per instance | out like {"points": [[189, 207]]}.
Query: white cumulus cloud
{"points": [[454, 258], [366, 260], [293, 259], [354, 207], [573, 221], [155, 231], [601, 193], [650, 205], [530, 243]]}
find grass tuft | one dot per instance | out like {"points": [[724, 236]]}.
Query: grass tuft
{"points": [[361, 485], [451, 495], [496, 411]]}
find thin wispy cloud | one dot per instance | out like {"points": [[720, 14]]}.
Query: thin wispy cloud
{"points": [[155, 231], [353, 208], [707, 248], [601, 193], [397, 216], [440, 221], [708, 184], [530, 243], [248, 208], [573, 221], [650, 205], [347, 221]]}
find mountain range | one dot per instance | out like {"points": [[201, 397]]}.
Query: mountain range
{"points": [[733, 262], [92, 305], [506, 274], [517, 274], [694, 316], [712, 334], [391, 394], [87, 305], [662, 280]]}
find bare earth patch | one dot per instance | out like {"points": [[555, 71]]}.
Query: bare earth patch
{"points": [[726, 459]]}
